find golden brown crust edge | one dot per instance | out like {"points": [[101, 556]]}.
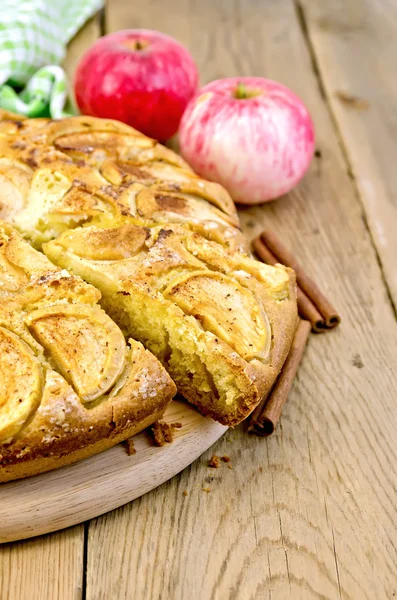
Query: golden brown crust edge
{"points": [[42, 464]]}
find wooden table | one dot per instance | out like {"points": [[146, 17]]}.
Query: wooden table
{"points": [[310, 512]]}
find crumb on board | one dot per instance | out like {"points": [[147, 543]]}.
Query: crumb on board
{"points": [[129, 446], [206, 489], [163, 433], [230, 466], [214, 462], [185, 493]]}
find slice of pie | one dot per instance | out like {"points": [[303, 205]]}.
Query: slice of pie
{"points": [[220, 322], [70, 385]]}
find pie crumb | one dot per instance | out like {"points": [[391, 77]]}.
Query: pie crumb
{"points": [[206, 490], [163, 433], [214, 462], [225, 458], [185, 492], [129, 447]]}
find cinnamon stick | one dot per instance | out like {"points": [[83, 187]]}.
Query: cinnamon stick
{"points": [[265, 417], [309, 312], [306, 308], [307, 285]]}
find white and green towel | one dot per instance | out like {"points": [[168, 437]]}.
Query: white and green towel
{"points": [[33, 39]]}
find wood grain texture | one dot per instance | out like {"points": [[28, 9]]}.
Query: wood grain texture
{"points": [[311, 511], [45, 568], [355, 47], [91, 487]]}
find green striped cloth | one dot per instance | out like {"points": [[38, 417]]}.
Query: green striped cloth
{"points": [[33, 39]]}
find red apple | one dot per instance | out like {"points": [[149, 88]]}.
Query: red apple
{"points": [[252, 135], [141, 77]]}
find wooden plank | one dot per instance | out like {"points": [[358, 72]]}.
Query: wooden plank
{"points": [[311, 511], [45, 568], [51, 566], [355, 46]]}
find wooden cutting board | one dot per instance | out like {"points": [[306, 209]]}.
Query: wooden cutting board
{"points": [[67, 496]]}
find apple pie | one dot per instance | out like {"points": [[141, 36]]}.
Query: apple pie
{"points": [[163, 247]]}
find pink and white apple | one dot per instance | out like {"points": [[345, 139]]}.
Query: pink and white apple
{"points": [[141, 77], [252, 135]]}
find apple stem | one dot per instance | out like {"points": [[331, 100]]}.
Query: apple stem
{"points": [[136, 44], [241, 91]]}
